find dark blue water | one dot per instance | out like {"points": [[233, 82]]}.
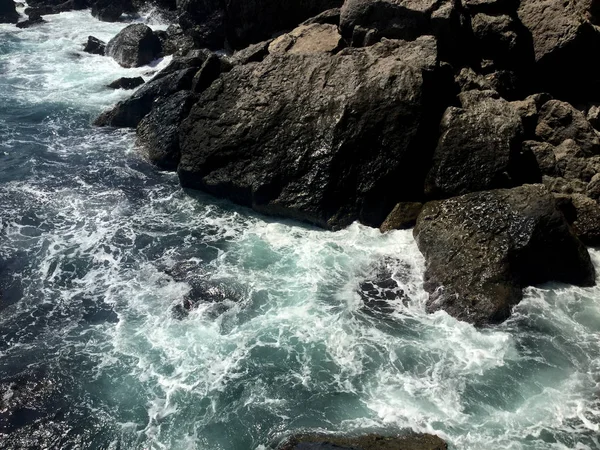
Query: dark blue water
{"points": [[292, 329]]}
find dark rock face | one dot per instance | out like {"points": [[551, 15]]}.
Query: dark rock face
{"points": [[563, 37], [340, 140], [130, 112], [367, 442], [8, 12], [203, 20], [94, 46], [481, 249], [478, 148], [157, 133], [403, 216], [136, 45], [34, 19], [126, 83]]}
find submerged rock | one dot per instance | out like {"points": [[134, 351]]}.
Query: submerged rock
{"points": [[34, 19], [320, 138], [8, 12], [136, 45], [366, 442], [94, 46], [126, 83], [481, 249]]}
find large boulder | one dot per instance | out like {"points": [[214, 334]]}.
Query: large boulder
{"points": [[130, 112], [564, 40], [157, 133], [136, 45], [482, 248], [343, 138], [8, 12], [479, 147]]}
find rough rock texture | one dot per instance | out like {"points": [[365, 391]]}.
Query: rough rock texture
{"points": [[331, 17], [206, 74], [176, 42], [136, 45], [307, 39], [130, 112], [496, 37], [505, 82], [481, 249], [340, 140], [478, 148], [586, 223], [364, 22], [157, 133], [110, 10], [8, 12], [193, 60], [559, 121], [203, 21], [252, 53], [367, 442], [126, 83], [563, 38], [403, 216], [94, 46]]}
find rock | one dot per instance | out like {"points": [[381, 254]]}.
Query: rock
{"points": [[126, 83], [136, 45], [481, 249], [593, 116], [478, 147], [573, 164], [194, 60], [343, 138], [252, 53], [157, 132], [204, 22], [505, 82], [366, 442], [593, 188], [8, 12], [94, 46], [529, 109], [209, 72], [363, 22], [307, 39], [251, 21], [34, 19], [559, 121], [331, 17], [130, 112], [403, 216], [563, 38], [544, 155], [110, 10], [586, 225], [489, 6], [176, 42], [496, 38], [563, 186]]}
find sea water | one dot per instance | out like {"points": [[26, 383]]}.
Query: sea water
{"points": [[292, 328]]}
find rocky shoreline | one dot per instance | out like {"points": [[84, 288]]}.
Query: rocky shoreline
{"points": [[475, 120]]}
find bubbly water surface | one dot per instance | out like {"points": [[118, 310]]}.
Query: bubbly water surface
{"points": [[294, 329]]}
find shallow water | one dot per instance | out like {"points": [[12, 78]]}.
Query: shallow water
{"points": [[98, 252]]}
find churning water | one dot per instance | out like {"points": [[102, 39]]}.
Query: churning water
{"points": [[294, 328]]}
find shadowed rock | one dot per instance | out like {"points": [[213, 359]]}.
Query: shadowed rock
{"points": [[94, 46], [8, 12], [481, 249], [126, 83], [366, 442]]}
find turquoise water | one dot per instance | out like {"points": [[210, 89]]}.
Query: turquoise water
{"points": [[293, 329]]}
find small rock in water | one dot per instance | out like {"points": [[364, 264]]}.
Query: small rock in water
{"points": [[126, 83], [136, 45], [94, 46]]}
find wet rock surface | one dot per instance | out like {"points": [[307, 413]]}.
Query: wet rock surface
{"points": [[481, 249], [136, 45]]}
